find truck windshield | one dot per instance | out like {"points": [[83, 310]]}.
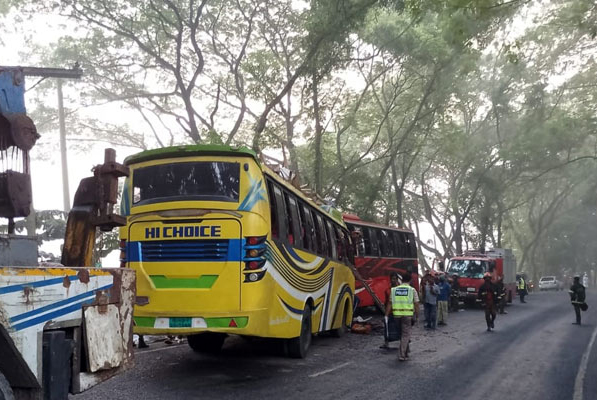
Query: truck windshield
{"points": [[198, 180], [468, 268]]}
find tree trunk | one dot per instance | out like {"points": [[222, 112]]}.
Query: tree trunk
{"points": [[318, 167]]}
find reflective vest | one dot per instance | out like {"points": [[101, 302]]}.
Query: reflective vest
{"points": [[403, 300], [521, 284]]}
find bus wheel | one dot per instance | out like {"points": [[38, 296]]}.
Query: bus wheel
{"points": [[208, 342], [298, 346], [344, 327], [5, 390]]}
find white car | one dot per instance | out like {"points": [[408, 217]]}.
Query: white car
{"points": [[548, 283]]}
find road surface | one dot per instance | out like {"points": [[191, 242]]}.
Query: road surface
{"points": [[534, 353]]}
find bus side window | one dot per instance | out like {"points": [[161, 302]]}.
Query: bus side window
{"points": [[401, 242], [340, 244], [308, 235], [273, 210], [333, 241], [412, 245], [295, 236], [283, 228], [350, 248], [322, 242], [367, 242], [388, 249], [374, 242]]}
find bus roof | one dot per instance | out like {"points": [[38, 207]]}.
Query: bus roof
{"points": [[190, 150], [331, 213], [355, 220]]}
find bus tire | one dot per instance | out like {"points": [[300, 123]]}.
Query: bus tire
{"points": [[5, 389], [299, 346], [208, 342], [344, 327]]}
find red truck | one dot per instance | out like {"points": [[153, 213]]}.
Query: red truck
{"points": [[472, 265]]}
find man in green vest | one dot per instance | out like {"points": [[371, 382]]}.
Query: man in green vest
{"points": [[522, 290], [405, 308]]}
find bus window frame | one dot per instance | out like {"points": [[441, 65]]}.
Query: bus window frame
{"points": [[332, 239], [293, 219], [274, 216], [321, 233], [309, 225]]}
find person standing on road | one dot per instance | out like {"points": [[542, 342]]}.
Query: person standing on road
{"points": [[394, 281], [405, 307], [442, 301], [455, 293], [577, 297], [522, 290], [501, 290], [488, 295], [430, 292]]}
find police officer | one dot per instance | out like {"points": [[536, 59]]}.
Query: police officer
{"points": [[522, 290], [405, 307]]}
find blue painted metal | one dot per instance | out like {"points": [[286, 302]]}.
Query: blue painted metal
{"points": [[214, 250], [12, 91]]}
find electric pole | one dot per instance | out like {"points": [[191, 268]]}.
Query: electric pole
{"points": [[59, 74]]}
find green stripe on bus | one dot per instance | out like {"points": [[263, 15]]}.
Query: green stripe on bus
{"points": [[241, 322], [146, 322], [203, 282]]}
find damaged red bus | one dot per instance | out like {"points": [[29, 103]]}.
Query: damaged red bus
{"points": [[381, 250]]}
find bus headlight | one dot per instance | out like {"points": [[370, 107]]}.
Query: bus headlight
{"points": [[253, 277]]}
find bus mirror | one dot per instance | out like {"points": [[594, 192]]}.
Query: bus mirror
{"points": [[441, 266]]}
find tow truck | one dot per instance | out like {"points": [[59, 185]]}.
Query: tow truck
{"points": [[63, 327], [472, 266]]}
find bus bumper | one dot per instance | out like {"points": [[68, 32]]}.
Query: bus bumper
{"points": [[250, 323]]}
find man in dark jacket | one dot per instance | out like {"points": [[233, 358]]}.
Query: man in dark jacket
{"points": [[488, 295], [455, 293], [501, 290], [577, 297]]}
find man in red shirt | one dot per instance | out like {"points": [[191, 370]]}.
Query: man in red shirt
{"points": [[488, 295]]}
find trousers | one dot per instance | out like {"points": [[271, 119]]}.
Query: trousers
{"points": [[406, 326], [490, 314], [577, 311], [442, 311], [430, 315]]}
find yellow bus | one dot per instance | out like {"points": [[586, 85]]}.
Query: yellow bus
{"points": [[222, 245]]}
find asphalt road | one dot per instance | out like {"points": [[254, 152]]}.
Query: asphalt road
{"points": [[534, 353]]}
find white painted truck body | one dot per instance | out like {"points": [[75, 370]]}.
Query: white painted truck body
{"points": [[93, 306]]}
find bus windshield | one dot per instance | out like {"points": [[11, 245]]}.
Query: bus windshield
{"points": [[197, 180], [468, 268]]}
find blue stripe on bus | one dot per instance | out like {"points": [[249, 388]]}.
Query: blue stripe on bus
{"points": [[46, 282], [185, 251], [252, 190], [290, 308], [58, 304], [255, 194], [292, 252]]}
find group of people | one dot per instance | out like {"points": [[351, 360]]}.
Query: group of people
{"points": [[436, 292]]}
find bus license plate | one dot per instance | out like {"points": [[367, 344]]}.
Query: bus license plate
{"points": [[181, 322]]}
